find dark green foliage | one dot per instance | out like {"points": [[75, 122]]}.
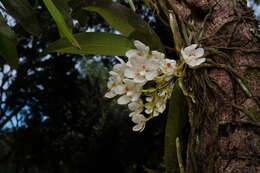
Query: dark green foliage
{"points": [[126, 21], [95, 43], [176, 123], [8, 43], [24, 14], [61, 121]]}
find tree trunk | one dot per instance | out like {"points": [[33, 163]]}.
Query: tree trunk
{"points": [[225, 128]]}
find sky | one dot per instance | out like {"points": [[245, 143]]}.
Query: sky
{"points": [[255, 7]]}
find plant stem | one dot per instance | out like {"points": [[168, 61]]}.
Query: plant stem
{"points": [[180, 161]]}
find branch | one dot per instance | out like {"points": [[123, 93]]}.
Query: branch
{"points": [[9, 117]]}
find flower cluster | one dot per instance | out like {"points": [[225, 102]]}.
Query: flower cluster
{"points": [[143, 69]]}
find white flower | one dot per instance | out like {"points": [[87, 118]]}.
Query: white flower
{"points": [[140, 121], [168, 66], [136, 107], [131, 91], [120, 68], [141, 51], [144, 68], [142, 65], [192, 56], [158, 55], [141, 70], [115, 85], [161, 104], [156, 104]]}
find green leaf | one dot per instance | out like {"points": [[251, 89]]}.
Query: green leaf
{"points": [[62, 26], [8, 44], [100, 43], [126, 21], [176, 120], [24, 14], [64, 9], [176, 33]]}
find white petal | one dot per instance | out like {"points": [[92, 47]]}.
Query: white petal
{"points": [[132, 114], [129, 82], [153, 64], [119, 89], [161, 108], [137, 61], [149, 99], [110, 84], [130, 73], [140, 46], [158, 55], [171, 61], [148, 110], [130, 93], [190, 48], [151, 75], [196, 62], [199, 52], [110, 94], [119, 68], [123, 100], [137, 107], [138, 118], [131, 53], [120, 60], [113, 73], [135, 96], [141, 72], [140, 79], [133, 106], [184, 55], [156, 113], [139, 127]]}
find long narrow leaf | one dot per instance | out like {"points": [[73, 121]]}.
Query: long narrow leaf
{"points": [[8, 44], [64, 9], [99, 43], [177, 118], [126, 21], [62, 26]]}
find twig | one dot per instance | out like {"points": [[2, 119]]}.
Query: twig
{"points": [[239, 79], [245, 111], [244, 87], [201, 32]]}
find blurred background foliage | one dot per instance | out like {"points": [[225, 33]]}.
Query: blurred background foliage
{"points": [[53, 116]]}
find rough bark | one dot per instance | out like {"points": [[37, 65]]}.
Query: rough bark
{"points": [[225, 129]]}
